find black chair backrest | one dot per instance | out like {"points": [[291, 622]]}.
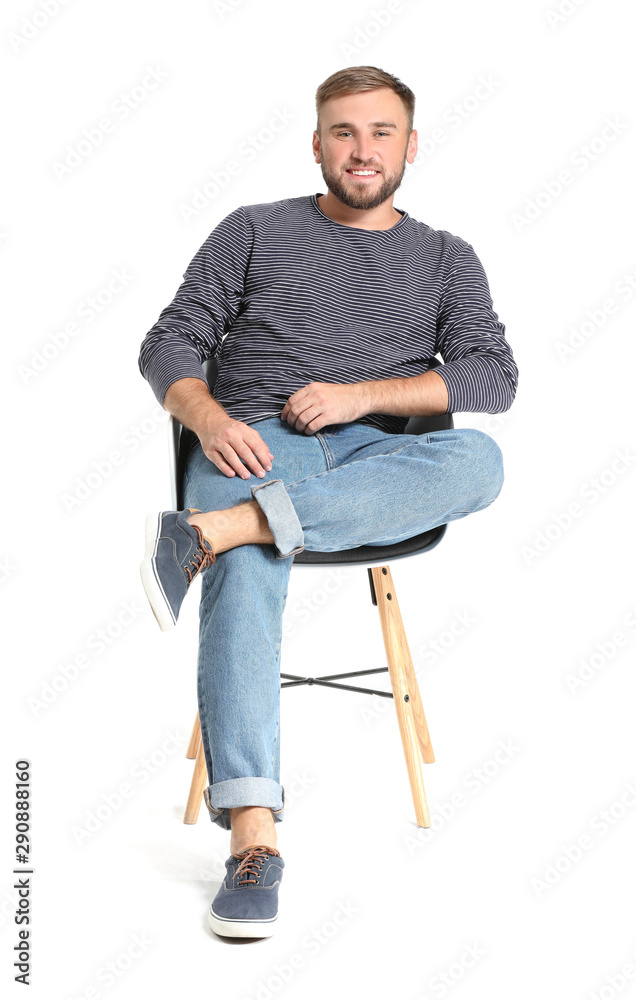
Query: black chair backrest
{"points": [[415, 425]]}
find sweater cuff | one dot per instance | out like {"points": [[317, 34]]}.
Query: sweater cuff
{"points": [[167, 368], [476, 384]]}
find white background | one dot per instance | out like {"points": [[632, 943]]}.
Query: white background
{"points": [[493, 876]]}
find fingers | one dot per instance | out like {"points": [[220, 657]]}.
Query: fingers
{"points": [[242, 458], [221, 464]]}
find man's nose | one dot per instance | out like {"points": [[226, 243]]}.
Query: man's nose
{"points": [[362, 151]]}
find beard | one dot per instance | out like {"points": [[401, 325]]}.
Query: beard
{"points": [[360, 195]]}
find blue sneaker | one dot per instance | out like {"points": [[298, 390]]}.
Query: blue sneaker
{"points": [[175, 552], [246, 905]]}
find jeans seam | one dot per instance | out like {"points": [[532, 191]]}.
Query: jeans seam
{"points": [[203, 712], [383, 454], [327, 450]]}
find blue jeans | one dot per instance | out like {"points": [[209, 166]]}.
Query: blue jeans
{"points": [[343, 486]]}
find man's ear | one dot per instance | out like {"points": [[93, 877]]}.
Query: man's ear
{"points": [[412, 146]]}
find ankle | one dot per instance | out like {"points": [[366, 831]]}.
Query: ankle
{"points": [[245, 831], [211, 526], [251, 825], [243, 524], [242, 845]]}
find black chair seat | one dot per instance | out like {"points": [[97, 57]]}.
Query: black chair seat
{"points": [[373, 553]]}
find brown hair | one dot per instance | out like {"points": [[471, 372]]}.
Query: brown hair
{"points": [[356, 79]]}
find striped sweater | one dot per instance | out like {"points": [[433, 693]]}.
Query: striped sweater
{"points": [[281, 295]]}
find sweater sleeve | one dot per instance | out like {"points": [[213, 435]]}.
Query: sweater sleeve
{"points": [[189, 330], [479, 369]]}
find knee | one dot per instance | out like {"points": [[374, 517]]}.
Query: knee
{"points": [[244, 576], [486, 462]]}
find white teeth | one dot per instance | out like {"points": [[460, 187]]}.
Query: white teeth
{"points": [[363, 173]]}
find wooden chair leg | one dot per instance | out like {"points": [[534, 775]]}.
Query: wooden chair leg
{"points": [[195, 736], [198, 783], [406, 695]]}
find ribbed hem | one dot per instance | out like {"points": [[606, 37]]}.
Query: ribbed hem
{"points": [[164, 369], [476, 384]]}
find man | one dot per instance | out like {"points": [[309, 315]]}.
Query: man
{"points": [[323, 313]]}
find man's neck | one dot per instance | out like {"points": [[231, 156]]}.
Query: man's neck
{"points": [[382, 217]]}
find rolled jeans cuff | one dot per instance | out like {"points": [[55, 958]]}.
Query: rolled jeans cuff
{"points": [[222, 796], [275, 502]]}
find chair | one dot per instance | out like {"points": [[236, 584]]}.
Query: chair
{"points": [[405, 692]]}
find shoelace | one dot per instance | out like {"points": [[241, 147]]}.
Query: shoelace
{"points": [[252, 862], [204, 556]]}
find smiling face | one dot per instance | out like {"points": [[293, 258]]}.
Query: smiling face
{"points": [[364, 132]]}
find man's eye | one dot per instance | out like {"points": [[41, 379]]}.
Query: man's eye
{"points": [[349, 133]]}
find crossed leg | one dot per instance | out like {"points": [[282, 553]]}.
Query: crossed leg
{"points": [[244, 524]]}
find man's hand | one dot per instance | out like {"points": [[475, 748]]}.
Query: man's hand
{"points": [[226, 441], [321, 403]]}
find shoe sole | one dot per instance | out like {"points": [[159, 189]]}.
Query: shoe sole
{"points": [[150, 578], [241, 928]]}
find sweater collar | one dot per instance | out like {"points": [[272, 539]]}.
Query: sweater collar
{"points": [[314, 198]]}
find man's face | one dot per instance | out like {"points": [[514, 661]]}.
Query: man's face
{"points": [[359, 131]]}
